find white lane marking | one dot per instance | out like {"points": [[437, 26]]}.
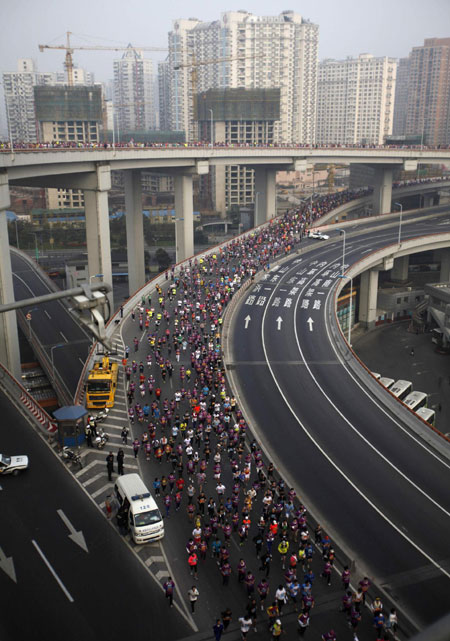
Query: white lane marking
{"points": [[76, 536], [330, 460], [47, 314], [278, 322], [247, 319], [380, 407], [310, 323], [56, 577], [81, 361], [64, 338], [352, 427]]}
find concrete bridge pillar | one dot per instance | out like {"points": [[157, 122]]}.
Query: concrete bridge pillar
{"points": [[368, 298], [382, 189], [399, 272], [135, 230], [9, 340], [427, 200], [265, 194], [443, 256], [184, 217], [97, 225]]}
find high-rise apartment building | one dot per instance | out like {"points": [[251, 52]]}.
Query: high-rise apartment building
{"points": [[134, 87], [355, 100], [241, 50], [428, 107], [19, 98], [401, 97], [164, 95]]}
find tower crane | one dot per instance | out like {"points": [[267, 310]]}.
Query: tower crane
{"points": [[69, 49]]}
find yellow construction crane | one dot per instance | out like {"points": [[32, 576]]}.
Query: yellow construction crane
{"points": [[193, 64], [69, 49]]}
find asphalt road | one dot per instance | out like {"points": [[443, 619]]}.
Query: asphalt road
{"points": [[104, 593], [52, 324], [379, 491]]}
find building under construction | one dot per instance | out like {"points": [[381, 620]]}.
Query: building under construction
{"points": [[68, 114]]}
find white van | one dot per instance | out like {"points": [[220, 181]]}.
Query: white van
{"points": [[140, 509]]}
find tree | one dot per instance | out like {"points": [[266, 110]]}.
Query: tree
{"points": [[163, 259]]}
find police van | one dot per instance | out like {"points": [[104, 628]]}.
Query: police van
{"points": [[138, 509]]}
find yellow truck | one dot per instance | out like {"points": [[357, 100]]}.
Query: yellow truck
{"points": [[102, 384]]}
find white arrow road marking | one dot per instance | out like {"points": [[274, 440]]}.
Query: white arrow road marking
{"points": [[56, 577], [7, 565], [310, 323], [77, 537], [247, 320], [279, 321]]}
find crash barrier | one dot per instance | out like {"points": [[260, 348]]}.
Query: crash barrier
{"points": [[25, 402]]}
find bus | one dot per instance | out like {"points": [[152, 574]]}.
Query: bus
{"points": [[416, 400], [386, 382], [401, 388], [427, 415]]}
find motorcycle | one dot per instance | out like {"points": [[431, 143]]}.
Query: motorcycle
{"points": [[70, 456], [101, 415], [101, 439]]}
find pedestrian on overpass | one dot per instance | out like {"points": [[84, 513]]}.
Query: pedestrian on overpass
{"points": [[110, 465], [169, 588], [120, 457], [193, 594]]}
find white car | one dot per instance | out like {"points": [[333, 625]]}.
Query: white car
{"points": [[318, 235], [13, 464]]}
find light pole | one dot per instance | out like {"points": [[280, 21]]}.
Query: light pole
{"points": [[212, 126], [400, 224], [349, 328], [256, 208], [53, 362], [342, 232], [28, 317], [17, 234]]}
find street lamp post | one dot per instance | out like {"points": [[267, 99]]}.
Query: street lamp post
{"points": [[349, 328], [256, 208], [342, 232], [212, 127], [400, 224], [53, 362]]}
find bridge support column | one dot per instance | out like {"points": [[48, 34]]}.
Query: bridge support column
{"points": [[368, 298], [443, 255], [184, 217], [427, 200], [265, 194], [399, 272], [9, 339], [135, 230], [97, 227], [382, 190]]}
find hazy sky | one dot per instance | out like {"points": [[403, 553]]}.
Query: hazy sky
{"points": [[347, 27]]}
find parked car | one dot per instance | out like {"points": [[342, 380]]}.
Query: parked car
{"points": [[318, 235], [13, 464]]}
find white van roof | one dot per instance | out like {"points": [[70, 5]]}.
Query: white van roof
{"points": [[133, 486]]}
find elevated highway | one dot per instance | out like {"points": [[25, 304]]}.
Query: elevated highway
{"points": [[367, 466]]}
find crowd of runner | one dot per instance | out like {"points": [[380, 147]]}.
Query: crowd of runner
{"points": [[210, 474]]}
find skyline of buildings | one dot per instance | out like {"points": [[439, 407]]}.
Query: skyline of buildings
{"points": [[354, 100]]}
